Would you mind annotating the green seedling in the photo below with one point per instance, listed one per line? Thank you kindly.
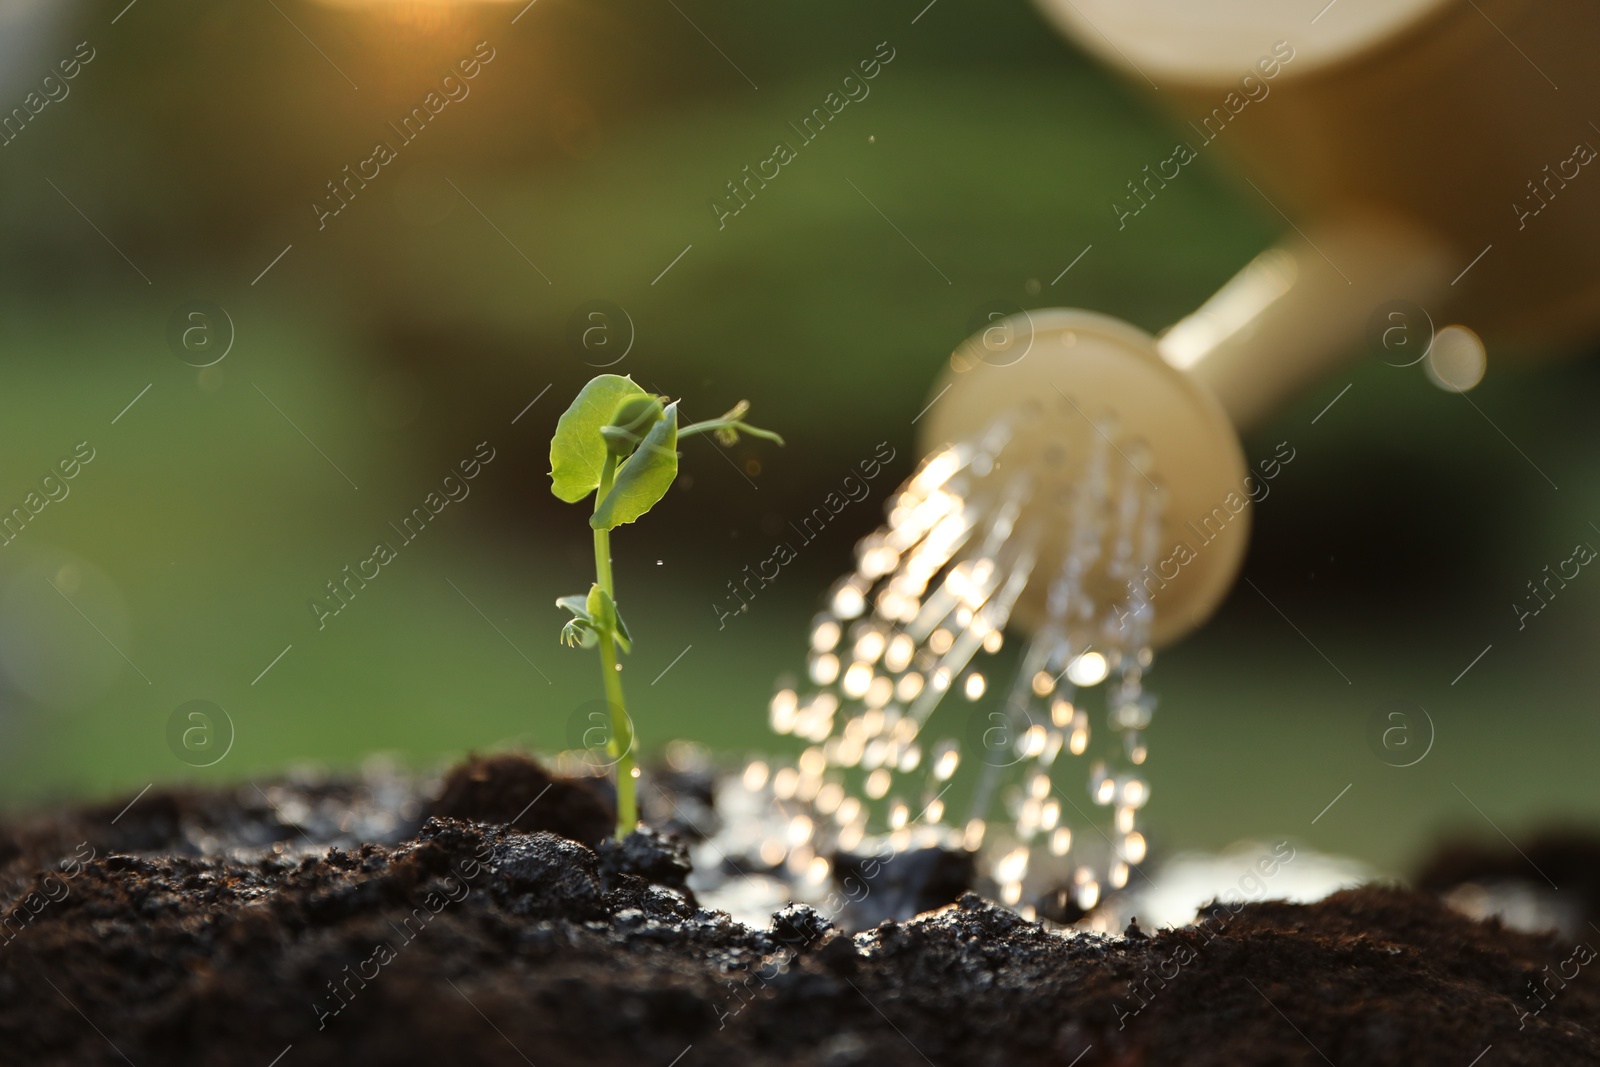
(619, 443)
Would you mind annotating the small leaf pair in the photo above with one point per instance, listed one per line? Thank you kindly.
(592, 616)
(613, 421)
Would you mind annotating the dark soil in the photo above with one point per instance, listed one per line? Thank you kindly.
(222, 929)
(1556, 872)
(513, 791)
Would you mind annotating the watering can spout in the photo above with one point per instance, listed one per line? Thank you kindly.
(1297, 311)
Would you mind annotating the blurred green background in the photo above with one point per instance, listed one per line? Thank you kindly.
(379, 351)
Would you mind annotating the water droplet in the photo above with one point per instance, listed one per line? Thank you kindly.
(755, 775)
(880, 692)
(848, 603)
(1088, 669)
(1012, 866)
(784, 711)
(1028, 818)
(825, 636)
(869, 646)
(812, 761)
(825, 668)
(799, 861)
(900, 651)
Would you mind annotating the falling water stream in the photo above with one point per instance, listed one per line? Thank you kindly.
(920, 732)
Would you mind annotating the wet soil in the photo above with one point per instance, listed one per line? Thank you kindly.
(292, 924)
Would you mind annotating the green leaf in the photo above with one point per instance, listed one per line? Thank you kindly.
(624, 638)
(603, 610)
(644, 477)
(578, 451)
(578, 605)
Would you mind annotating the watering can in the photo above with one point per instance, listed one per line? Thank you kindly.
(1432, 162)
